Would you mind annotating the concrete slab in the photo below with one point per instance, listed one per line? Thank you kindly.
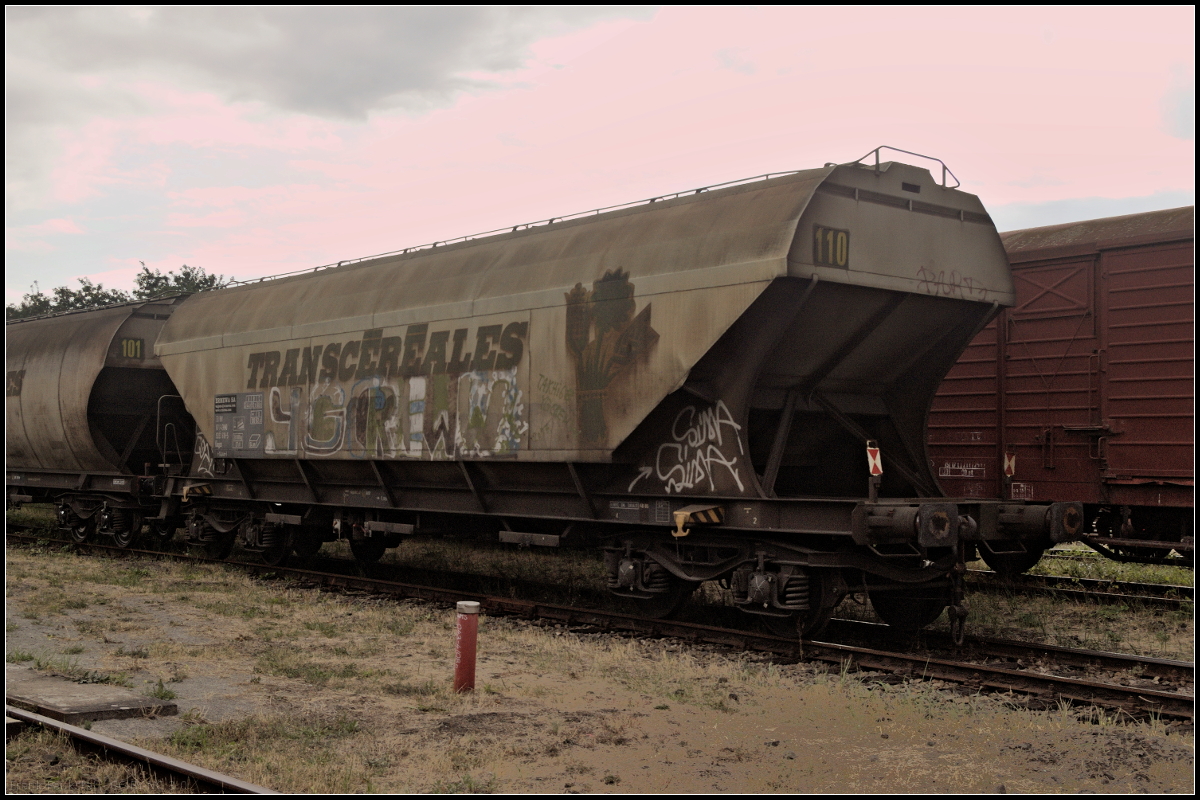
(12, 727)
(73, 703)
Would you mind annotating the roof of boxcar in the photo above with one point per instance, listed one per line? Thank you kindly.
(1172, 223)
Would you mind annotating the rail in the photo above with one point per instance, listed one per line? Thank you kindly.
(205, 778)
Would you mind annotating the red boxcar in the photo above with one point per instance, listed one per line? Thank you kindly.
(1085, 386)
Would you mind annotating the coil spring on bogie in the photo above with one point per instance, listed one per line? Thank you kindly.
(121, 520)
(656, 579)
(67, 517)
(200, 531)
(795, 592)
(269, 536)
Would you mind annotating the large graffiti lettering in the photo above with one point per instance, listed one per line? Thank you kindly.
(941, 284)
(439, 416)
(701, 450)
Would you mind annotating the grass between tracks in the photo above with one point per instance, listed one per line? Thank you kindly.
(338, 693)
(577, 577)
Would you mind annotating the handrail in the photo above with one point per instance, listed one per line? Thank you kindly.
(161, 441)
(945, 170)
(522, 226)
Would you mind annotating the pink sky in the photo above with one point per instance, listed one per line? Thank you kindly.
(1046, 114)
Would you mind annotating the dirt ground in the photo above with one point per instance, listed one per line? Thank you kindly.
(311, 692)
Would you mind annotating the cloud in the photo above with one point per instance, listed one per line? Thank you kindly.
(32, 238)
(327, 61)
(1017, 216)
(735, 59)
(66, 66)
(1179, 103)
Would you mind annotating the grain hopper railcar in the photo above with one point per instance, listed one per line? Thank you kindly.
(1086, 386)
(691, 383)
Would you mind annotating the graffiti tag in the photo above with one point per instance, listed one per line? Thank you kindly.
(698, 450)
(954, 284)
(204, 457)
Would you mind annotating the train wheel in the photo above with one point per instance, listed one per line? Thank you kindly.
(159, 534)
(909, 610)
(281, 550)
(306, 544)
(661, 605)
(126, 527)
(1010, 565)
(804, 623)
(799, 625)
(368, 551)
(82, 529)
(220, 545)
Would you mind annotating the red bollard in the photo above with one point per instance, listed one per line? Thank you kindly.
(464, 646)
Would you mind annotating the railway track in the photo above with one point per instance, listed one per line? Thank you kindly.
(1022, 668)
(192, 777)
(1092, 589)
(1103, 590)
(1098, 558)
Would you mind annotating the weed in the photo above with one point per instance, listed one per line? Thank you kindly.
(73, 650)
(132, 578)
(324, 628)
(429, 688)
(161, 692)
(140, 652)
(228, 608)
(70, 669)
(288, 662)
(467, 784)
(18, 656)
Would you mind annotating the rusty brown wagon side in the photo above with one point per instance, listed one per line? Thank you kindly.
(1086, 384)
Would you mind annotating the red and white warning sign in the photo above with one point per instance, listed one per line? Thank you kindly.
(1010, 464)
(874, 460)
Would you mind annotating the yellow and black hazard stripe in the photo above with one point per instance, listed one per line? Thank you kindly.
(696, 515)
(197, 490)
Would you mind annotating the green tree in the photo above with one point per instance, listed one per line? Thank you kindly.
(148, 284)
(152, 283)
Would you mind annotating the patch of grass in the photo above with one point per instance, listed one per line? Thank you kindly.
(1090, 564)
(324, 628)
(309, 753)
(161, 692)
(289, 662)
(229, 608)
(140, 652)
(467, 784)
(18, 656)
(69, 668)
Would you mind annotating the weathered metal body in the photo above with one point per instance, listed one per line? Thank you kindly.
(1087, 382)
(83, 389)
(690, 383)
